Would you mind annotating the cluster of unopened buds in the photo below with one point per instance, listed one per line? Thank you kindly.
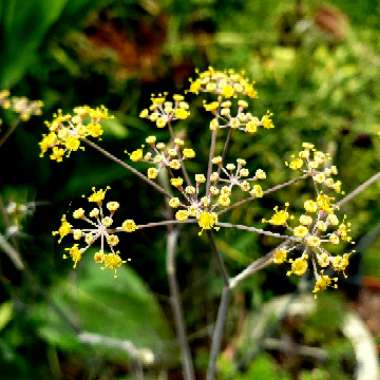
(20, 105)
(203, 198)
(15, 213)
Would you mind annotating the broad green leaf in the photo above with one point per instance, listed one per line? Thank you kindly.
(121, 308)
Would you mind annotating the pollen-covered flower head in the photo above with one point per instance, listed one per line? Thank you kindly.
(67, 130)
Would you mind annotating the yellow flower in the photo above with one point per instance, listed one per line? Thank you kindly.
(323, 259)
(224, 200)
(136, 155)
(324, 204)
(161, 122)
(98, 195)
(112, 240)
(207, 220)
(280, 256)
(332, 219)
(228, 91)
(94, 130)
(64, 229)
(340, 263)
(300, 231)
(152, 173)
(296, 164)
(217, 160)
(113, 206)
(176, 182)
(174, 202)
(78, 213)
(200, 178)
(310, 206)
(257, 191)
(280, 217)
(129, 225)
(99, 257)
(251, 126)
(107, 221)
(334, 239)
(322, 283)
(75, 254)
(57, 154)
(151, 139)
(260, 174)
(188, 153)
(299, 266)
(181, 215)
(267, 121)
(112, 261)
(181, 113)
(306, 220)
(313, 241)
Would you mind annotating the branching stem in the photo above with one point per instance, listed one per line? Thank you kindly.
(127, 167)
(175, 302)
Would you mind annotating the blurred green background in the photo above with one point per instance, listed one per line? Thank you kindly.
(316, 66)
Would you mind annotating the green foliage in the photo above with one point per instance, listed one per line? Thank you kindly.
(124, 309)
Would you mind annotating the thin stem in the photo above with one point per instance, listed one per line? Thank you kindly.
(126, 166)
(166, 223)
(175, 301)
(219, 259)
(217, 335)
(268, 191)
(210, 157)
(225, 148)
(359, 189)
(183, 167)
(257, 265)
(9, 132)
(258, 231)
(12, 253)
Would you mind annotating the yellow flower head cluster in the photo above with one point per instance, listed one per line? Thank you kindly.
(201, 203)
(95, 225)
(20, 105)
(163, 111)
(67, 130)
(317, 164)
(227, 84)
(170, 156)
(225, 117)
(314, 233)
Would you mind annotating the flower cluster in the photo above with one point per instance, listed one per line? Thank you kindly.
(316, 164)
(97, 226)
(67, 130)
(170, 156)
(202, 203)
(241, 120)
(20, 105)
(163, 111)
(318, 229)
(202, 198)
(227, 84)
